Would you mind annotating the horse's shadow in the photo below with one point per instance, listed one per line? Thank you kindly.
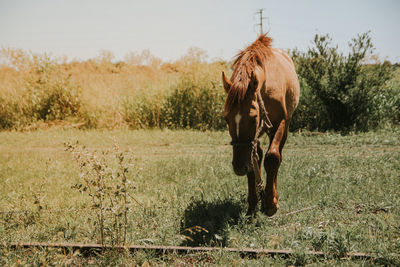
(206, 223)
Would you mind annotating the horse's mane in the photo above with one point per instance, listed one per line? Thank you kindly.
(244, 65)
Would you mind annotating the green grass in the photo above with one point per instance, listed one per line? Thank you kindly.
(184, 179)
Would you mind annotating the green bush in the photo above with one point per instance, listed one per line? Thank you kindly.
(193, 106)
(183, 106)
(54, 101)
(310, 113)
(340, 92)
(388, 102)
(8, 114)
(141, 111)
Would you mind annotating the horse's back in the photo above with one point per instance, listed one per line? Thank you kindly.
(281, 83)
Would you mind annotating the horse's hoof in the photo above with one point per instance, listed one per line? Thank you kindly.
(271, 210)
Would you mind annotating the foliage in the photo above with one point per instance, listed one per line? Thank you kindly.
(140, 92)
(338, 92)
(342, 92)
(141, 112)
(194, 101)
(46, 97)
(190, 106)
(108, 189)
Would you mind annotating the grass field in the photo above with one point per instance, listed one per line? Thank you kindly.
(184, 179)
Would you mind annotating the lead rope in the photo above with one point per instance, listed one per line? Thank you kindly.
(265, 126)
(267, 122)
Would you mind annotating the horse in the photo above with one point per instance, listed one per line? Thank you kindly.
(262, 94)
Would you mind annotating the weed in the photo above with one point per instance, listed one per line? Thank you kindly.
(108, 190)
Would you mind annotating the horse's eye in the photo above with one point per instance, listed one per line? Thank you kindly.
(253, 113)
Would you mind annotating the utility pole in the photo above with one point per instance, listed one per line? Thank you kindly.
(259, 12)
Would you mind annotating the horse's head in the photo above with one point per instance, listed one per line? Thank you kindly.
(242, 114)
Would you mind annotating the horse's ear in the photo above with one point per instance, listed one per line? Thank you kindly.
(227, 83)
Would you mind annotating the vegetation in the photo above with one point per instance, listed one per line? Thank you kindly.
(154, 185)
(344, 93)
(187, 194)
(140, 92)
(341, 93)
(108, 190)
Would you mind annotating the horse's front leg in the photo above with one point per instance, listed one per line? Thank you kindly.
(272, 162)
(252, 185)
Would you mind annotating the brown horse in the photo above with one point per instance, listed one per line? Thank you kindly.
(262, 94)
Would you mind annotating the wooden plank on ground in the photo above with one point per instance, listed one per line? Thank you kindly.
(92, 248)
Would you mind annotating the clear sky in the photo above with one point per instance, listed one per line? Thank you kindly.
(80, 29)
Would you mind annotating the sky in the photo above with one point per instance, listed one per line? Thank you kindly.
(82, 29)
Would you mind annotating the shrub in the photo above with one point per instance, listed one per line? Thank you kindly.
(194, 99)
(340, 92)
(141, 111)
(54, 101)
(43, 95)
(7, 113)
(194, 106)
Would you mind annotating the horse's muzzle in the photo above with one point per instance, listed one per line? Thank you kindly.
(241, 170)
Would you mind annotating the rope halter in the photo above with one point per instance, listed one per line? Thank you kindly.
(265, 126)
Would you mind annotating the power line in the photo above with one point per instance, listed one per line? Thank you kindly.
(260, 13)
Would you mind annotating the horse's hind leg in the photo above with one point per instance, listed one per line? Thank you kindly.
(272, 162)
(252, 184)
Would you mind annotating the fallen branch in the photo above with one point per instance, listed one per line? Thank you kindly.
(300, 210)
(90, 249)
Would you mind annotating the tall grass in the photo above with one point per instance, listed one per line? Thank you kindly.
(139, 92)
(338, 92)
(34, 90)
